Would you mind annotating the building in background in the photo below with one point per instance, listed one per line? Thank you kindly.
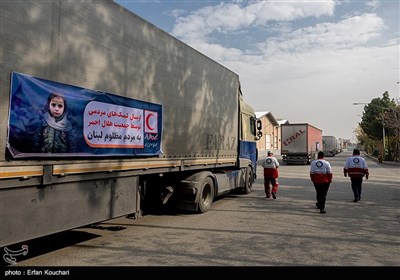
(270, 140)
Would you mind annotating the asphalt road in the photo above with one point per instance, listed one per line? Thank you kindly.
(248, 230)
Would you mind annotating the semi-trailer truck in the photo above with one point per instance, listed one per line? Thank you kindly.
(147, 120)
(300, 143)
(330, 145)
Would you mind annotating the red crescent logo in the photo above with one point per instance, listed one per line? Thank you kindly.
(147, 121)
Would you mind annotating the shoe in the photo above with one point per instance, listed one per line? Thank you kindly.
(359, 198)
(274, 195)
(316, 205)
(322, 211)
(355, 200)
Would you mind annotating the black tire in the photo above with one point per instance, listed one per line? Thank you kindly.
(206, 195)
(248, 180)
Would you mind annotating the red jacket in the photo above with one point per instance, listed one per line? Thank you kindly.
(356, 166)
(321, 172)
(270, 165)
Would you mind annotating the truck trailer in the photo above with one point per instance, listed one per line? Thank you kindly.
(146, 120)
(330, 145)
(300, 143)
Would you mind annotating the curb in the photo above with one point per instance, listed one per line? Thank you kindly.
(393, 163)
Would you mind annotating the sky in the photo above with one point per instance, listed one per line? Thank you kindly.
(304, 61)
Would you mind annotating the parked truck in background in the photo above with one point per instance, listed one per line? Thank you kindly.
(330, 145)
(300, 143)
(155, 121)
(340, 145)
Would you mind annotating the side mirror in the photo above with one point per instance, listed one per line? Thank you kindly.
(259, 126)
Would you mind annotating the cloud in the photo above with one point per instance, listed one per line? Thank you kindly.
(310, 74)
(374, 5)
(176, 12)
(320, 86)
(348, 33)
(289, 10)
(230, 17)
(345, 34)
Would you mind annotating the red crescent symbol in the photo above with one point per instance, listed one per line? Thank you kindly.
(147, 121)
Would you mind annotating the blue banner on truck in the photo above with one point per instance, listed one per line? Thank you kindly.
(51, 119)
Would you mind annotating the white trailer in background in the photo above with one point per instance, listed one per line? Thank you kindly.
(340, 145)
(330, 145)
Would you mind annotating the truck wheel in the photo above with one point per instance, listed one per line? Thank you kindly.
(248, 182)
(206, 195)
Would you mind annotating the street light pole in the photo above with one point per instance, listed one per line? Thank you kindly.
(384, 138)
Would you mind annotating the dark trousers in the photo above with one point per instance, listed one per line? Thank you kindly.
(322, 191)
(270, 181)
(356, 186)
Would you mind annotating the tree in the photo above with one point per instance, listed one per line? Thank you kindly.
(391, 119)
(373, 117)
(381, 118)
(364, 142)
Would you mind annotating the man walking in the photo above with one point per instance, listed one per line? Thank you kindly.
(356, 167)
(271, 174)
(321, 176)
